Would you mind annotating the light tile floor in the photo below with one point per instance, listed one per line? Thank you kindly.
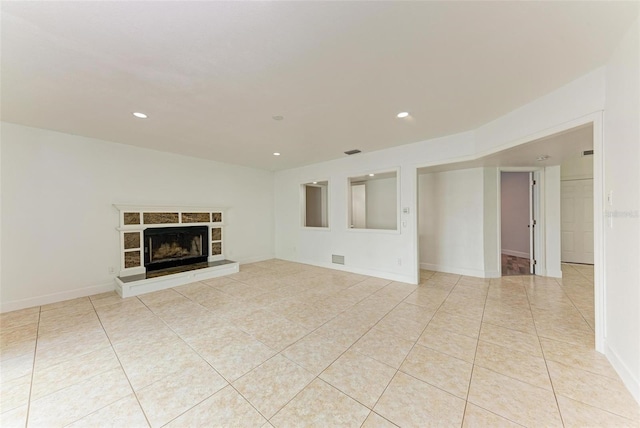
(289, 345)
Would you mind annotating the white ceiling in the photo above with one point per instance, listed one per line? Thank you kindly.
(211, 75)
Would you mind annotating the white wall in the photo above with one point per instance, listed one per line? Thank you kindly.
(59, 225)
(578, 168)
(1, 149)
(556, 110)
(552, 222)
(622, 228)
(388, 254)
(491, 223)
(382, 205)
(515, 213)
(470, 200)
(451, 221)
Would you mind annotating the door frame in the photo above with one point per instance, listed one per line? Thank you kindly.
(538, 236)
(596, 119)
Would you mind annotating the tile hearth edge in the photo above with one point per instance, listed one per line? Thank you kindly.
(136, 285)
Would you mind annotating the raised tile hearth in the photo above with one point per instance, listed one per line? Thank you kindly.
(134, 285)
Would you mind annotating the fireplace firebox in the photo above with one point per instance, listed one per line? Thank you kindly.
(167, 247)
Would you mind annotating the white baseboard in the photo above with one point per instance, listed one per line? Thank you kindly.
(360, 271)
(492, 274)
(247, 260)
(515, 253)
(15, 305)
(552, 273)
(628, 378)
(478, 273)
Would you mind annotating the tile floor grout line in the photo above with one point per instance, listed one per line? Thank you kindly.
(416, 341)
(543, 357)
(353, 343)
(475, 354)
(555, 396)
(33, 368)
(90, 377)
(135, 394)
(188, 345)
(476, 365)
(593, 373)
(574, 305)
(328, 321)
(317, 377)
(192, 407)
(284, 316)
(228, 381)
(378, 415)
(285, 404)
(195, 351)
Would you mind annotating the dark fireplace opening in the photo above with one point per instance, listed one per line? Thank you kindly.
(167, 247)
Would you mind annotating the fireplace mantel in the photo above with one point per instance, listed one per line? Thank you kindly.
(135, 219)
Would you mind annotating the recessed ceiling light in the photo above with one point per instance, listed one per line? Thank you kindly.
(371, 175)
(403, 114)
(140, 115)
(276, 154)
(277, 117)
(315, 182)
(542, 158)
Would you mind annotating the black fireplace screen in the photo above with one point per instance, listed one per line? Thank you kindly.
(166, 247)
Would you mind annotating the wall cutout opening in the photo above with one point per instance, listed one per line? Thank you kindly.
(315, 210)
(373, 201)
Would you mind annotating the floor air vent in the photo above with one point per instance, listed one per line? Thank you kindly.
(339, 260)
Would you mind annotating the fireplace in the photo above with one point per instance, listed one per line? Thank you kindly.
(167, 247)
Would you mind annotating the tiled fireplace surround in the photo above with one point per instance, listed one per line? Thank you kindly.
(134, 220)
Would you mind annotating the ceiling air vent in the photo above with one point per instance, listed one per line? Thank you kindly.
(352, 152)
(587, 153)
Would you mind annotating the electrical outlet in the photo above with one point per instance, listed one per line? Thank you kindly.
(112, 270)
(399, 262)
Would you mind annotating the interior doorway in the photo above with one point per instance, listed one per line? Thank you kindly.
(517, 223)
(544, 153)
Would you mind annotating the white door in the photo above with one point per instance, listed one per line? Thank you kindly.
(577, 221)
